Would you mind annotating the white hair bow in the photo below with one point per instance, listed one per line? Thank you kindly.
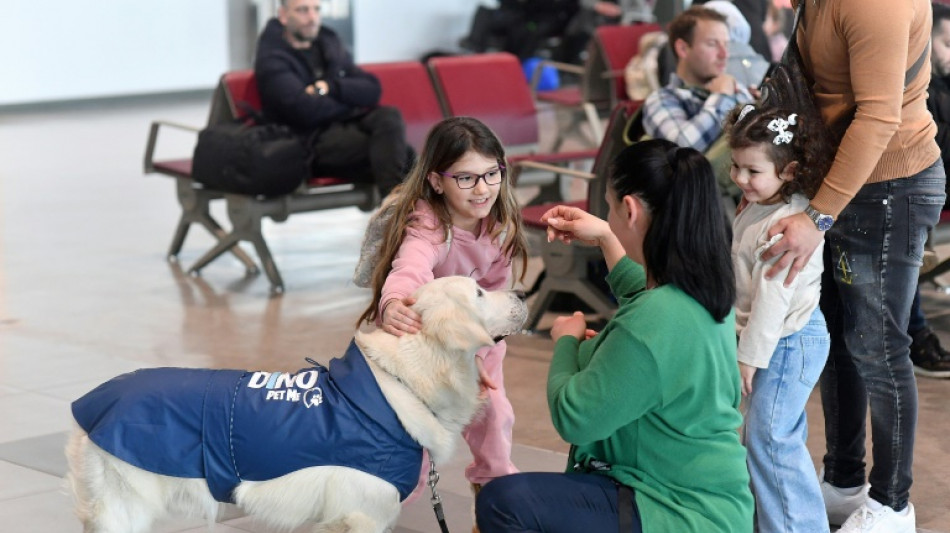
(780, 127)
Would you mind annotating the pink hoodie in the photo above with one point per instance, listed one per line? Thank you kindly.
(424, 256)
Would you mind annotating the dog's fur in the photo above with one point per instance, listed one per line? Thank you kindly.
(430, 380)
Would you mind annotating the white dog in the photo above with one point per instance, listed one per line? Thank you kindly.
(189, 438)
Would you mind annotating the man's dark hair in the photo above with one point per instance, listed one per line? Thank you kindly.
(684, 24)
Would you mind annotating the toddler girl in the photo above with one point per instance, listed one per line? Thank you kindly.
(779, 158)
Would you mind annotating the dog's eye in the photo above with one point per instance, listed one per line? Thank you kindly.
(479, 292)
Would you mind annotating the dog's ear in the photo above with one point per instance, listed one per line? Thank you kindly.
(454, 330)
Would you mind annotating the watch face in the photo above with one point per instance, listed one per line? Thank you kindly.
(824, 222)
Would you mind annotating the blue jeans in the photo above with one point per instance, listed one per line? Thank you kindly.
(787, 495)
(873, 254)
(550, 502)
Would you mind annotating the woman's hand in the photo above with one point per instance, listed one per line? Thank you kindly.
(573, 325)
(567, 224)
(796, 247)
(746, 372)
(399, 319)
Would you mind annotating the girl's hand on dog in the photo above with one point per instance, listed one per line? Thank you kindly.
(398, 319)
(573, 325)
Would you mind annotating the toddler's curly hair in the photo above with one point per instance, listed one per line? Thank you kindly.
(810, 146)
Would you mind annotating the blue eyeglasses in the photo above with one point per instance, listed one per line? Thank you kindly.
(467, 180)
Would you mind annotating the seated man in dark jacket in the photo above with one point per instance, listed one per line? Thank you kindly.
(308, 80)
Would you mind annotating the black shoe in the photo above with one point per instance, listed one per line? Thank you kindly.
(930, 359)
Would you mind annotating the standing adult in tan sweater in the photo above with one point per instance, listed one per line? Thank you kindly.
(880, 197)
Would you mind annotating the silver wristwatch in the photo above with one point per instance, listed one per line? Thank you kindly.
(822, 221)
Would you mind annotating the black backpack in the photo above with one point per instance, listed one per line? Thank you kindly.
(246, 158)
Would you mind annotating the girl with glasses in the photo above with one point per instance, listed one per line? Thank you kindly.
(455, 214)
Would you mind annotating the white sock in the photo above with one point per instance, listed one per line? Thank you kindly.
(874, 505)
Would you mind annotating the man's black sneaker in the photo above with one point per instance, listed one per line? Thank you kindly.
(930, 359)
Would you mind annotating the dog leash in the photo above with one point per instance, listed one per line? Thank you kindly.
(436, 500)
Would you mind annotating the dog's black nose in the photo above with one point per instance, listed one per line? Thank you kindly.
(520, 294)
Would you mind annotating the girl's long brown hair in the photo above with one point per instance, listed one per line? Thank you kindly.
(446, 143)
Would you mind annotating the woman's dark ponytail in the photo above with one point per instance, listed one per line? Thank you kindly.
(687, 243)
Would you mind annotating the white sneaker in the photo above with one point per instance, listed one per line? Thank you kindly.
(839, 505)
(885, 520)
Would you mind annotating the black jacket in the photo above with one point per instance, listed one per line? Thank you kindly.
(283, 74)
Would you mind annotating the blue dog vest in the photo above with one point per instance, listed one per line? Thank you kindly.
(229, 426)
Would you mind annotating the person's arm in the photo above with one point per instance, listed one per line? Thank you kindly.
(570, 223)
(619, 385)
(285, 98)
(878, 50)
(349, 84)
(664, 117)
(412, 268)
(771, 300)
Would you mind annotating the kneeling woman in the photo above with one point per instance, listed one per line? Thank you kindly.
(649, 404)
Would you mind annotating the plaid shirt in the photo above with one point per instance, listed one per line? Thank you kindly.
(689, 116)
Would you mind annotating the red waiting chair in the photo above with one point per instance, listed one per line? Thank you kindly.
(493, 89)
(601, 85)
(408, 87)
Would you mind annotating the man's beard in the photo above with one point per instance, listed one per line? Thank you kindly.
(300, 37)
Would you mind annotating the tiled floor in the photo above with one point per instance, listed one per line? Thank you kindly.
(86, 293)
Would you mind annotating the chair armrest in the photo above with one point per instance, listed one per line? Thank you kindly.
(559, 66)
(537, 165)
(611, 74)
(153, 139)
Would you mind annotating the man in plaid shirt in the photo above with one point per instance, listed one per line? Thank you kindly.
(690, 109)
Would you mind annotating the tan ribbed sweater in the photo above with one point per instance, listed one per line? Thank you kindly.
(857, 53)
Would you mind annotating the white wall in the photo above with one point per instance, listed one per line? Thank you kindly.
(388, 30)
(69, 49)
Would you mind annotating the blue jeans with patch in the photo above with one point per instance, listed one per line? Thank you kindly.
(775, 430)
(873, 254)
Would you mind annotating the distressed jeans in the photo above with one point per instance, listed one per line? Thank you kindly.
(873, 254)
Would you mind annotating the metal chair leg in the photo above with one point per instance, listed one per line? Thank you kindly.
(225, 244)
(212, 226)
(270, 267)
(196, 208)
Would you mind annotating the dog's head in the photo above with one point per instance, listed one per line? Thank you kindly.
(463, 316)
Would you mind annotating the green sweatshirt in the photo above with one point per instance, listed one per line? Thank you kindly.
(656, 396)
